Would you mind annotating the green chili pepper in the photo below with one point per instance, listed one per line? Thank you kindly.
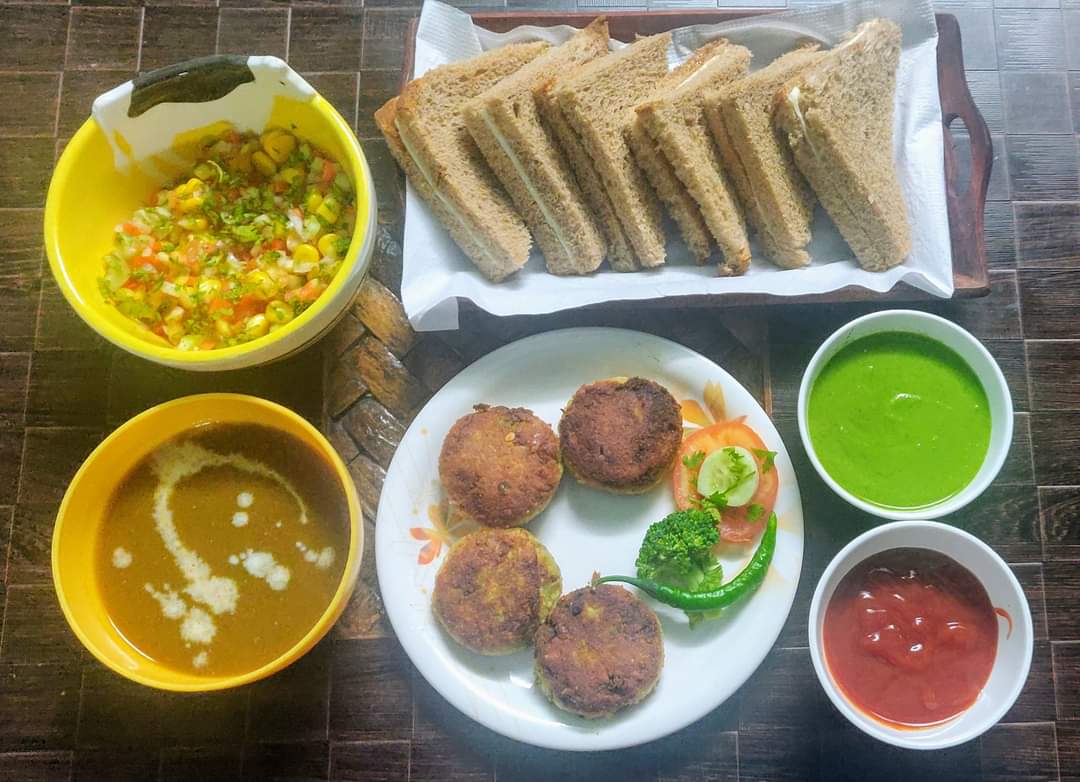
(743, 585)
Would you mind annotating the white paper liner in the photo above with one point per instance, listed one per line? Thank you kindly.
(436, 273)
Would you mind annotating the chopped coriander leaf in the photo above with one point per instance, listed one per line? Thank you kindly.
(767, 458)
(716, 500)
(694, 460)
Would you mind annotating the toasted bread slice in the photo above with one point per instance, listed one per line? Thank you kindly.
(838, 118)
(677, 124)
(597, 101)
(505, 123)
(779, 204)
(682, 207)
(426, 133)
(619, 252)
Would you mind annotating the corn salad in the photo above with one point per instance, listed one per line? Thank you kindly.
(239, 248)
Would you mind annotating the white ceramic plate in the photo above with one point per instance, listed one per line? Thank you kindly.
(586, 530)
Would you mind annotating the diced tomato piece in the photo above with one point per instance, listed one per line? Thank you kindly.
(279, 187)
(329, 171)
(735, 526)
(217, 305)
(277, 244)
(132, 284)
(208, 344)
(158, 328)
(310, 291)
(132, 230)
(248, 306)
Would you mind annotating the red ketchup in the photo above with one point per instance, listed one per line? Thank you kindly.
(910, 637)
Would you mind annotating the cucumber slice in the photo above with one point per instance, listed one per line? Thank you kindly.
(731, 471)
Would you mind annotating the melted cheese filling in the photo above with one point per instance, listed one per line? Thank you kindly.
(410, 147)
(515, 161)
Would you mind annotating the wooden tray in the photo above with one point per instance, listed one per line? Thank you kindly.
(970, 276)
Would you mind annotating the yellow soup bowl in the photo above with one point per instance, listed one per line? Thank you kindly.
(85, 506)
(135, 142)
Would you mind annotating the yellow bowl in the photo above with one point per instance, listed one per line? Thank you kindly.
(89, 195)
(82, 514)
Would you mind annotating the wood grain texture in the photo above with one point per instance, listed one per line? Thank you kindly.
(1026, 752)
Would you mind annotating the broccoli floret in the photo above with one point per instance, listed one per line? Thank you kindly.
(677, 551)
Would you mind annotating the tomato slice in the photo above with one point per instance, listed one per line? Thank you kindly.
(735, 527)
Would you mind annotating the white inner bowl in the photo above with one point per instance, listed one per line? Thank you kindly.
(1013, 659)
(976, 357)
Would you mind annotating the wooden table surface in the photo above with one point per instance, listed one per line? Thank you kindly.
(354, 708)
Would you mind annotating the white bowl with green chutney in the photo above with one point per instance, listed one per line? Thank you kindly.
(905, 415)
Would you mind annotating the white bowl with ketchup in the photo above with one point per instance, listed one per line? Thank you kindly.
(920, 634)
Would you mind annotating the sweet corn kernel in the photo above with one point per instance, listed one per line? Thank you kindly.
(314, 201)
(329, 210)
(191, 204)
(223, 328)
(278, 312)
(257, 325)
(305, 253)
(209, 288)
(190, 187)
(290, 175)
(278, 145)
(328, 245)
(263, 163)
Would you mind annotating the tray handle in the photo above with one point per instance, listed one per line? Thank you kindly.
(199, 80)
(965, 207)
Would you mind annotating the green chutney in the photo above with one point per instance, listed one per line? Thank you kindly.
(899, 420)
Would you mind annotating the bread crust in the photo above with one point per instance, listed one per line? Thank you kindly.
(841, 140)
(778, 202)
(426, 134)
(597, 101)
(676, 122)
(505, 123)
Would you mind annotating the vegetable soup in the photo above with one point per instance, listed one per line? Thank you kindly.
(222, 548)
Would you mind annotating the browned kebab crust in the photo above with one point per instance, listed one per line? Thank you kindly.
(621, 435)
(599, 651)
(499, 466)
(494, 589)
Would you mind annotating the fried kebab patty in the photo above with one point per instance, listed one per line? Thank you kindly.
(621, 434)
(499, 466)
(599, 651)
(494, 589)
